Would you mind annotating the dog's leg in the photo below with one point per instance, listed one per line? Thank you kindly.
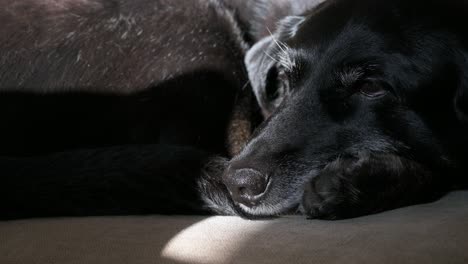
(122, 180)
(351, 187)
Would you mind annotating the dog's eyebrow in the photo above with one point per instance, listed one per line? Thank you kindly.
(348, 76)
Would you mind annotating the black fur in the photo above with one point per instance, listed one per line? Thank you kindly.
(130, 179)
(366, 110)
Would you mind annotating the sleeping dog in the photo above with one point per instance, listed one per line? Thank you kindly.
(366, 108)
(114, 106)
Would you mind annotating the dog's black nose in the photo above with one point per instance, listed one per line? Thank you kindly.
(246, 186)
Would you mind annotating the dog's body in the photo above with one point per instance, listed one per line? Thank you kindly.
(113, 106)
(365, 105)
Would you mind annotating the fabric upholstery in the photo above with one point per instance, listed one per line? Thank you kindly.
(429, 233)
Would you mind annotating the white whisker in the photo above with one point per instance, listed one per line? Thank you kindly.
(271, 57)
(284, 55)
(246, 85)
(283, 47)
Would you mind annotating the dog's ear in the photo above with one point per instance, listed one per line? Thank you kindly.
(258, 65)
(273, 21)
(267, 14)
(267, 76)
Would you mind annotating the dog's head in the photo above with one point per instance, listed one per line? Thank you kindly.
(347, 78)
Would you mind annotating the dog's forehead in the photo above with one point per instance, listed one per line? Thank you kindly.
(346, 52)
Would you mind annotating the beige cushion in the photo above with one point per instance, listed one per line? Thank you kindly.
(430, 233)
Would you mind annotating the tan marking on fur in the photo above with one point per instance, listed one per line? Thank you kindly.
(240, 128)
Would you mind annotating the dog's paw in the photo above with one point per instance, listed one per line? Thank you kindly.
(333, 194)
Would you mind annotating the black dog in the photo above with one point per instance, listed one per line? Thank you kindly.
(366, 104)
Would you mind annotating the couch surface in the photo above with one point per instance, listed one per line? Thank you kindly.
(429, 233)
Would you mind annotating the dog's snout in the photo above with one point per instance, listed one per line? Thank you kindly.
(246, 185)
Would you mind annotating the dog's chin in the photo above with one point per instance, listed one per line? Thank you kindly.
(267, 210)
(273, 208)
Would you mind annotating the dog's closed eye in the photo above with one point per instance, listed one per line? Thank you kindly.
(360, 80)
(372, 90)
